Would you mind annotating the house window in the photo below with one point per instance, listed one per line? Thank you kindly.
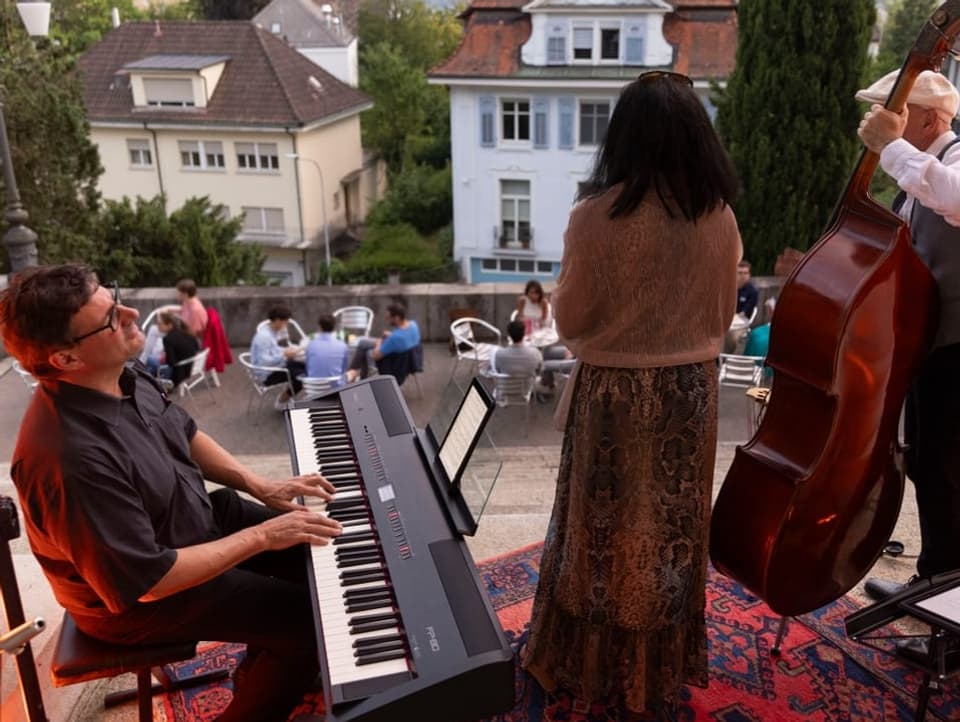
(583, 43)
(257, 156)
(544, 267)
(556, 51)
(593, 122)
(609, 43)
(515, 229)
(140, 154)
(201, 154)
(489, 264)
(516, 120)
(263, 220)
(168, 92)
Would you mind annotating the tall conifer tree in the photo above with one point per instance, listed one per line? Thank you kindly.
(789, 118)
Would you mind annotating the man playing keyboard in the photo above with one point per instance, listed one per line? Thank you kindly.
(110, 476)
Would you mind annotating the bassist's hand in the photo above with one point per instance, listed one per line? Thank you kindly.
(880, 127)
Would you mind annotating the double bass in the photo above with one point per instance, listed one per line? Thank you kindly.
(810, 501)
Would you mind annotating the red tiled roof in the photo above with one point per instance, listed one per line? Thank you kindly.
(705, 39)
(703, 33)
(264, 82)
(491, 43)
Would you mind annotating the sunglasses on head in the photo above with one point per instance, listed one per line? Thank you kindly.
(652, 76)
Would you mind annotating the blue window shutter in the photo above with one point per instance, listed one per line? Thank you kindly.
(557, 32)
(488, 121)
(541, 115)
(635, 46)
(566, 107)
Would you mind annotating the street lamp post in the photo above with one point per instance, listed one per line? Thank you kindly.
(323, 208)
(21, 241)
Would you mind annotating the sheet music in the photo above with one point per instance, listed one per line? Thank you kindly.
(463, 430)
(945, 604)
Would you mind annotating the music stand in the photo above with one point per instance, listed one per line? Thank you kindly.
(935, 601)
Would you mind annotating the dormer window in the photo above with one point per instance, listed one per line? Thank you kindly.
(175, 81)
(595, 43)
(168, 92)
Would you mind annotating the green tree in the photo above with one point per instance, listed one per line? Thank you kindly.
(399, 117)
(78, 24)
(55, 163)
(905, 18)
(400, 40)
(149, 248)
(789, 118)
(423, 35)
(419, 195)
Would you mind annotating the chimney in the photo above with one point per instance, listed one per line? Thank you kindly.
(115, 17)
(157, 32)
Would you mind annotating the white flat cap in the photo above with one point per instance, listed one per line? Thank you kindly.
(931, 90)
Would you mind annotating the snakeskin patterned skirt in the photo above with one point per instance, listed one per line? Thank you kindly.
(619, 609)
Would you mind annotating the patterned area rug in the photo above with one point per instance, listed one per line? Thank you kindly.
(821, 676)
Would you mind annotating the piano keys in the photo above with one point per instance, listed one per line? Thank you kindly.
(404, 627)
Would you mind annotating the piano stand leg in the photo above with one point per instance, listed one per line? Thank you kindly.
(781, 631)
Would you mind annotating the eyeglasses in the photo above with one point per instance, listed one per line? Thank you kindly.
(113, 320)
(653, 75)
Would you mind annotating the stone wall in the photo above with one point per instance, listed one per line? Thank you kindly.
(430, 304)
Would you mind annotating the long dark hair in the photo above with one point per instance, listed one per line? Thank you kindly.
(661, 136)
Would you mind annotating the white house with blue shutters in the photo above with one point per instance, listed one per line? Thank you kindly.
(532, 87)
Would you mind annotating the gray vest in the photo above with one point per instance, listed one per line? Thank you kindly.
(938, 245)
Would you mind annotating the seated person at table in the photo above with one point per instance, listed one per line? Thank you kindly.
(178, 345)
(327, 356)
(270, 347)
(533, 308)
(518, 359)
(402, 335)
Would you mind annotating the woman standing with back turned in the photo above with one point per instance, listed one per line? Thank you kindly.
(645, 294)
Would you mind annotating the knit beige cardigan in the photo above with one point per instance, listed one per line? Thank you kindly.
(645, 289)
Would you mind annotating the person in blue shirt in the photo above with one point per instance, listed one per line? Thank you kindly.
(402, 335)
(327, 356)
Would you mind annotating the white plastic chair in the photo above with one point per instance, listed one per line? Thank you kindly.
(466, 333)
(151, 318)
(299, 336)
(198, 375)
(314, 386)
(357, 320)
(29, 380)
(510, 390)
(258, 387)
(745, 372)
(741, 371)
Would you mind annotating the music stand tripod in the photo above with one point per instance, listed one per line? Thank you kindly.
(935, 601)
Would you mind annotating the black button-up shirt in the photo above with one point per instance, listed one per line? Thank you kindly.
(108, 491)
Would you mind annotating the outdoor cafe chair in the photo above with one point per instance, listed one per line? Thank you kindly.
(513, 390)
(298, 338)
(467, 335)
(198, 374)
(257, 386)
(314, 386)
(354, 321)
(745, 372)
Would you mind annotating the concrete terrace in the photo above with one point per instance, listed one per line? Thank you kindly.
(516, 515)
